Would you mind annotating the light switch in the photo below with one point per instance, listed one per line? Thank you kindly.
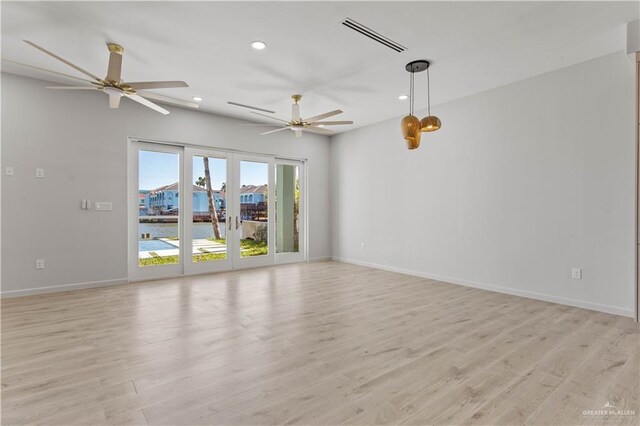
(40, 173)
(103, 205)
(9, 171)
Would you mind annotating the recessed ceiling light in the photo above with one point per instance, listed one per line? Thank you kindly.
(403, 97)
(258, 45)
(197, 98)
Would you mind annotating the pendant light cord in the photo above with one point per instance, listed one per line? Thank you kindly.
(428, 94)
(411, 92)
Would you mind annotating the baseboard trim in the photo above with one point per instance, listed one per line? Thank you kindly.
(616, 310)
(64, 287)
(320, 259)
(474, 284)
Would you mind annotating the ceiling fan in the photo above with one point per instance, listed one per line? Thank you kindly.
(298, 125)
(113, 85)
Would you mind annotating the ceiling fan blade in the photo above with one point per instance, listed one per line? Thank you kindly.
(273, 131)
(114, 100)
(147, 103)
(321, 116)
(46, 70)
(329, 123)
(270, 117)
(144, 85)
(73, 87)
(295, 112)
(317, 130)
(114, 70)
(258, 125)
(168, 99)
(251, 107)
(85, 72)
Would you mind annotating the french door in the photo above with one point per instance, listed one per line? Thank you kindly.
(207, 212)
(155, 211)
(198, 210)
(253, 211)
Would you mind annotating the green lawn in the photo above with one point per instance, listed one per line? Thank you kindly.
(249, 248)
(154, 261)
(253, 248)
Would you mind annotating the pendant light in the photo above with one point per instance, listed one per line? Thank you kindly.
(410, 124)
(430, 123)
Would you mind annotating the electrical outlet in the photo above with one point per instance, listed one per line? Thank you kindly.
(363, 246)
(39, 263)
(576, 273)
(40, 173)
(9, 171)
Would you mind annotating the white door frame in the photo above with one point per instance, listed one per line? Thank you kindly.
(191, 267)
(136, 272)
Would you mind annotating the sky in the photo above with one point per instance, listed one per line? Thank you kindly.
(161, 168)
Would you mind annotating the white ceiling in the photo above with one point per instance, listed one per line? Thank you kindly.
(474, 46)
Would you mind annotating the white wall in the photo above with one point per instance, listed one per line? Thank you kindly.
(521, 184)
(82, 145)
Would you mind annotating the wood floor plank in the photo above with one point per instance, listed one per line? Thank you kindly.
(316, 343)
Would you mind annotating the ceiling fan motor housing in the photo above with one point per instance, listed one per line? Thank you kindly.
(115, 48)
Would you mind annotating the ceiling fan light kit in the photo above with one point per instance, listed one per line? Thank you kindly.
(410, 125)
(114, 87)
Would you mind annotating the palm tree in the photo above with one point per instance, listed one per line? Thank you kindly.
(201, 182)
(212, 208)
(224, 187)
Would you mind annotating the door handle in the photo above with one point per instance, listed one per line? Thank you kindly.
(237, 223)
(230, 222)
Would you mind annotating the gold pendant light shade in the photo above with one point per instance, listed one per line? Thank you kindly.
(430, 123)
(410, 126)
(413, 142)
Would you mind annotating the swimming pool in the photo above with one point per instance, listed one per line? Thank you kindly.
(152, 245)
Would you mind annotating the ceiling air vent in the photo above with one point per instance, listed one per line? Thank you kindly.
(367, 32)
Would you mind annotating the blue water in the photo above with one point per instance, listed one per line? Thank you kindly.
(162, 230)
(150, 245)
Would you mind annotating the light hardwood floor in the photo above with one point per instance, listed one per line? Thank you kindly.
(318, 343)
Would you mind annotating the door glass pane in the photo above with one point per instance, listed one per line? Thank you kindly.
(254, 235)
(209, 209)
(287, 209)
(158, 208)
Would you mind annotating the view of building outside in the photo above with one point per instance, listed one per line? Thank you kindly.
(159, 212)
